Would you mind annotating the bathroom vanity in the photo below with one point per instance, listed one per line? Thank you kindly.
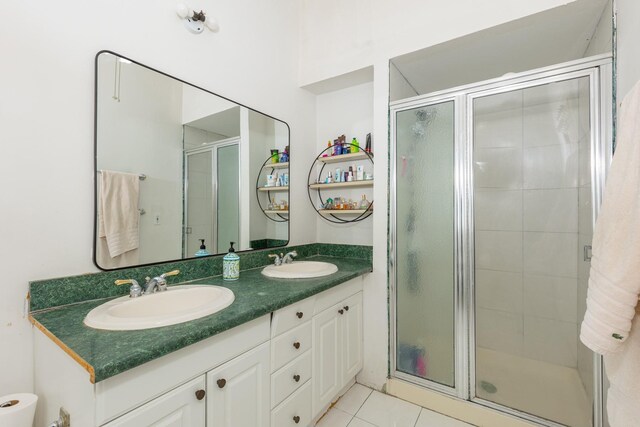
(260, 366)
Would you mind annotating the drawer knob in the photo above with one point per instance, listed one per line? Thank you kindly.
(221, 382)
(299, 314)
(200, 394)
(296, 377)
(296, 345)
(296, 419)
(346, 308)
(341, 311)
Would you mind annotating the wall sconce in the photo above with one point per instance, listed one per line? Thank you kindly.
(196, 21)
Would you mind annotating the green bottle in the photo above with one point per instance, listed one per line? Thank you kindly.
(355, 145)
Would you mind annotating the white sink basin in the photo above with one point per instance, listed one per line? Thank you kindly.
(300, 270)
(175, 305)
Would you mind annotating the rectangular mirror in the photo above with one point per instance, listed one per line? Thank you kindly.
(176, 164)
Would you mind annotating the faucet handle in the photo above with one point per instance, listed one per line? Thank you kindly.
(134, 291)
(171, 273)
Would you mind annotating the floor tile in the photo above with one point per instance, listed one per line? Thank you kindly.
(357, 422)
(335, 418)
(429, 418)
(386, 411)
(353, 399)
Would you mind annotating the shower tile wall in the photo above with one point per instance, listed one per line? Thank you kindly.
(526, 173)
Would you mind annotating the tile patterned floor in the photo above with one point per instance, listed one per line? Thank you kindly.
(363, 407)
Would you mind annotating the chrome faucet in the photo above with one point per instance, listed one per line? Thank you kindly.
(157, 284)
(134, 291)
(288, 258)
(278, 259)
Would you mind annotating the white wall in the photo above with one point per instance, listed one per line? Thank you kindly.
(349, 112)
(628, 23)
(339, 37)
(141, 133)
(46, 122)
(602, 38)
(198, 104)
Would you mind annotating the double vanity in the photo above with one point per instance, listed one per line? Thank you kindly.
(276, 352)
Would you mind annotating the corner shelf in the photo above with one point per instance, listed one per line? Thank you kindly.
(337, 216)
(277, 211)
(343, 211)
(276, 215)
(281, 188)
(283, 165)
(361, 155)
(362, 183)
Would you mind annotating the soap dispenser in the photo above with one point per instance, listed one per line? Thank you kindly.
(203, 249)
(231, 265)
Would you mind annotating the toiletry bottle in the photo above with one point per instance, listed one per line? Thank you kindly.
(203, 249)
(360, 173)
(355, 145)
(231, 265)
(364, 203)
(328, 152)
(367, 146)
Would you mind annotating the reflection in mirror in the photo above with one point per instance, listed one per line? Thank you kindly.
(200, 156)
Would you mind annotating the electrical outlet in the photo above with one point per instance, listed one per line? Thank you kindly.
(65, 418)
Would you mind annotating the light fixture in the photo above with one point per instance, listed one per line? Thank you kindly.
(196, 21)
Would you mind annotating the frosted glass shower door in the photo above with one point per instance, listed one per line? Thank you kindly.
(533, 219)
(425, 243)
(198, 202)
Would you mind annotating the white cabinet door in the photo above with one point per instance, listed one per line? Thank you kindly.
(352, 337)
(327, 357)
(181, 407)
(238, 391)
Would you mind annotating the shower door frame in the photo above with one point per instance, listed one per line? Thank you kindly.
(599, 71)
(213, 148)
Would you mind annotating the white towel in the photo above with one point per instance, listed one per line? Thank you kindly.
(118, 215)
(614, 282)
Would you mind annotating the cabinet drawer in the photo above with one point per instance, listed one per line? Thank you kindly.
(289, 345)
(291, 316)
(290, 377)
(294, 411)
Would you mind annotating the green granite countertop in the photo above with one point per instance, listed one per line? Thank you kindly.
(108, 353)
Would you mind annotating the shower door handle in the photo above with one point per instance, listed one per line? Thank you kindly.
(587, 253)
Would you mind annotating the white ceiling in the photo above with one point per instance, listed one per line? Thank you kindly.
(551, 37)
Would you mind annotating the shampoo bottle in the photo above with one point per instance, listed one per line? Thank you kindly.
(231, 265)
(203, 249)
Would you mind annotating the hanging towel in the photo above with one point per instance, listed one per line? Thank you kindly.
(118, 215)
(611, 325)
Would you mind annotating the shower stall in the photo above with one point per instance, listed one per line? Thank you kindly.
(495, 188)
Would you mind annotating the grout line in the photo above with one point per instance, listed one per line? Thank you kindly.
(365, 400)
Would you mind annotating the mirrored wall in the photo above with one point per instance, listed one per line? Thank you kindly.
(176, 169)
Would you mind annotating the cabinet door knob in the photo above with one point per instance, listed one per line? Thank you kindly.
(221, 382)
(296, 345)
(200, 394)
(296, 377)
(346, 307)
(299, 314)
(296, 419)
(341, 311)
